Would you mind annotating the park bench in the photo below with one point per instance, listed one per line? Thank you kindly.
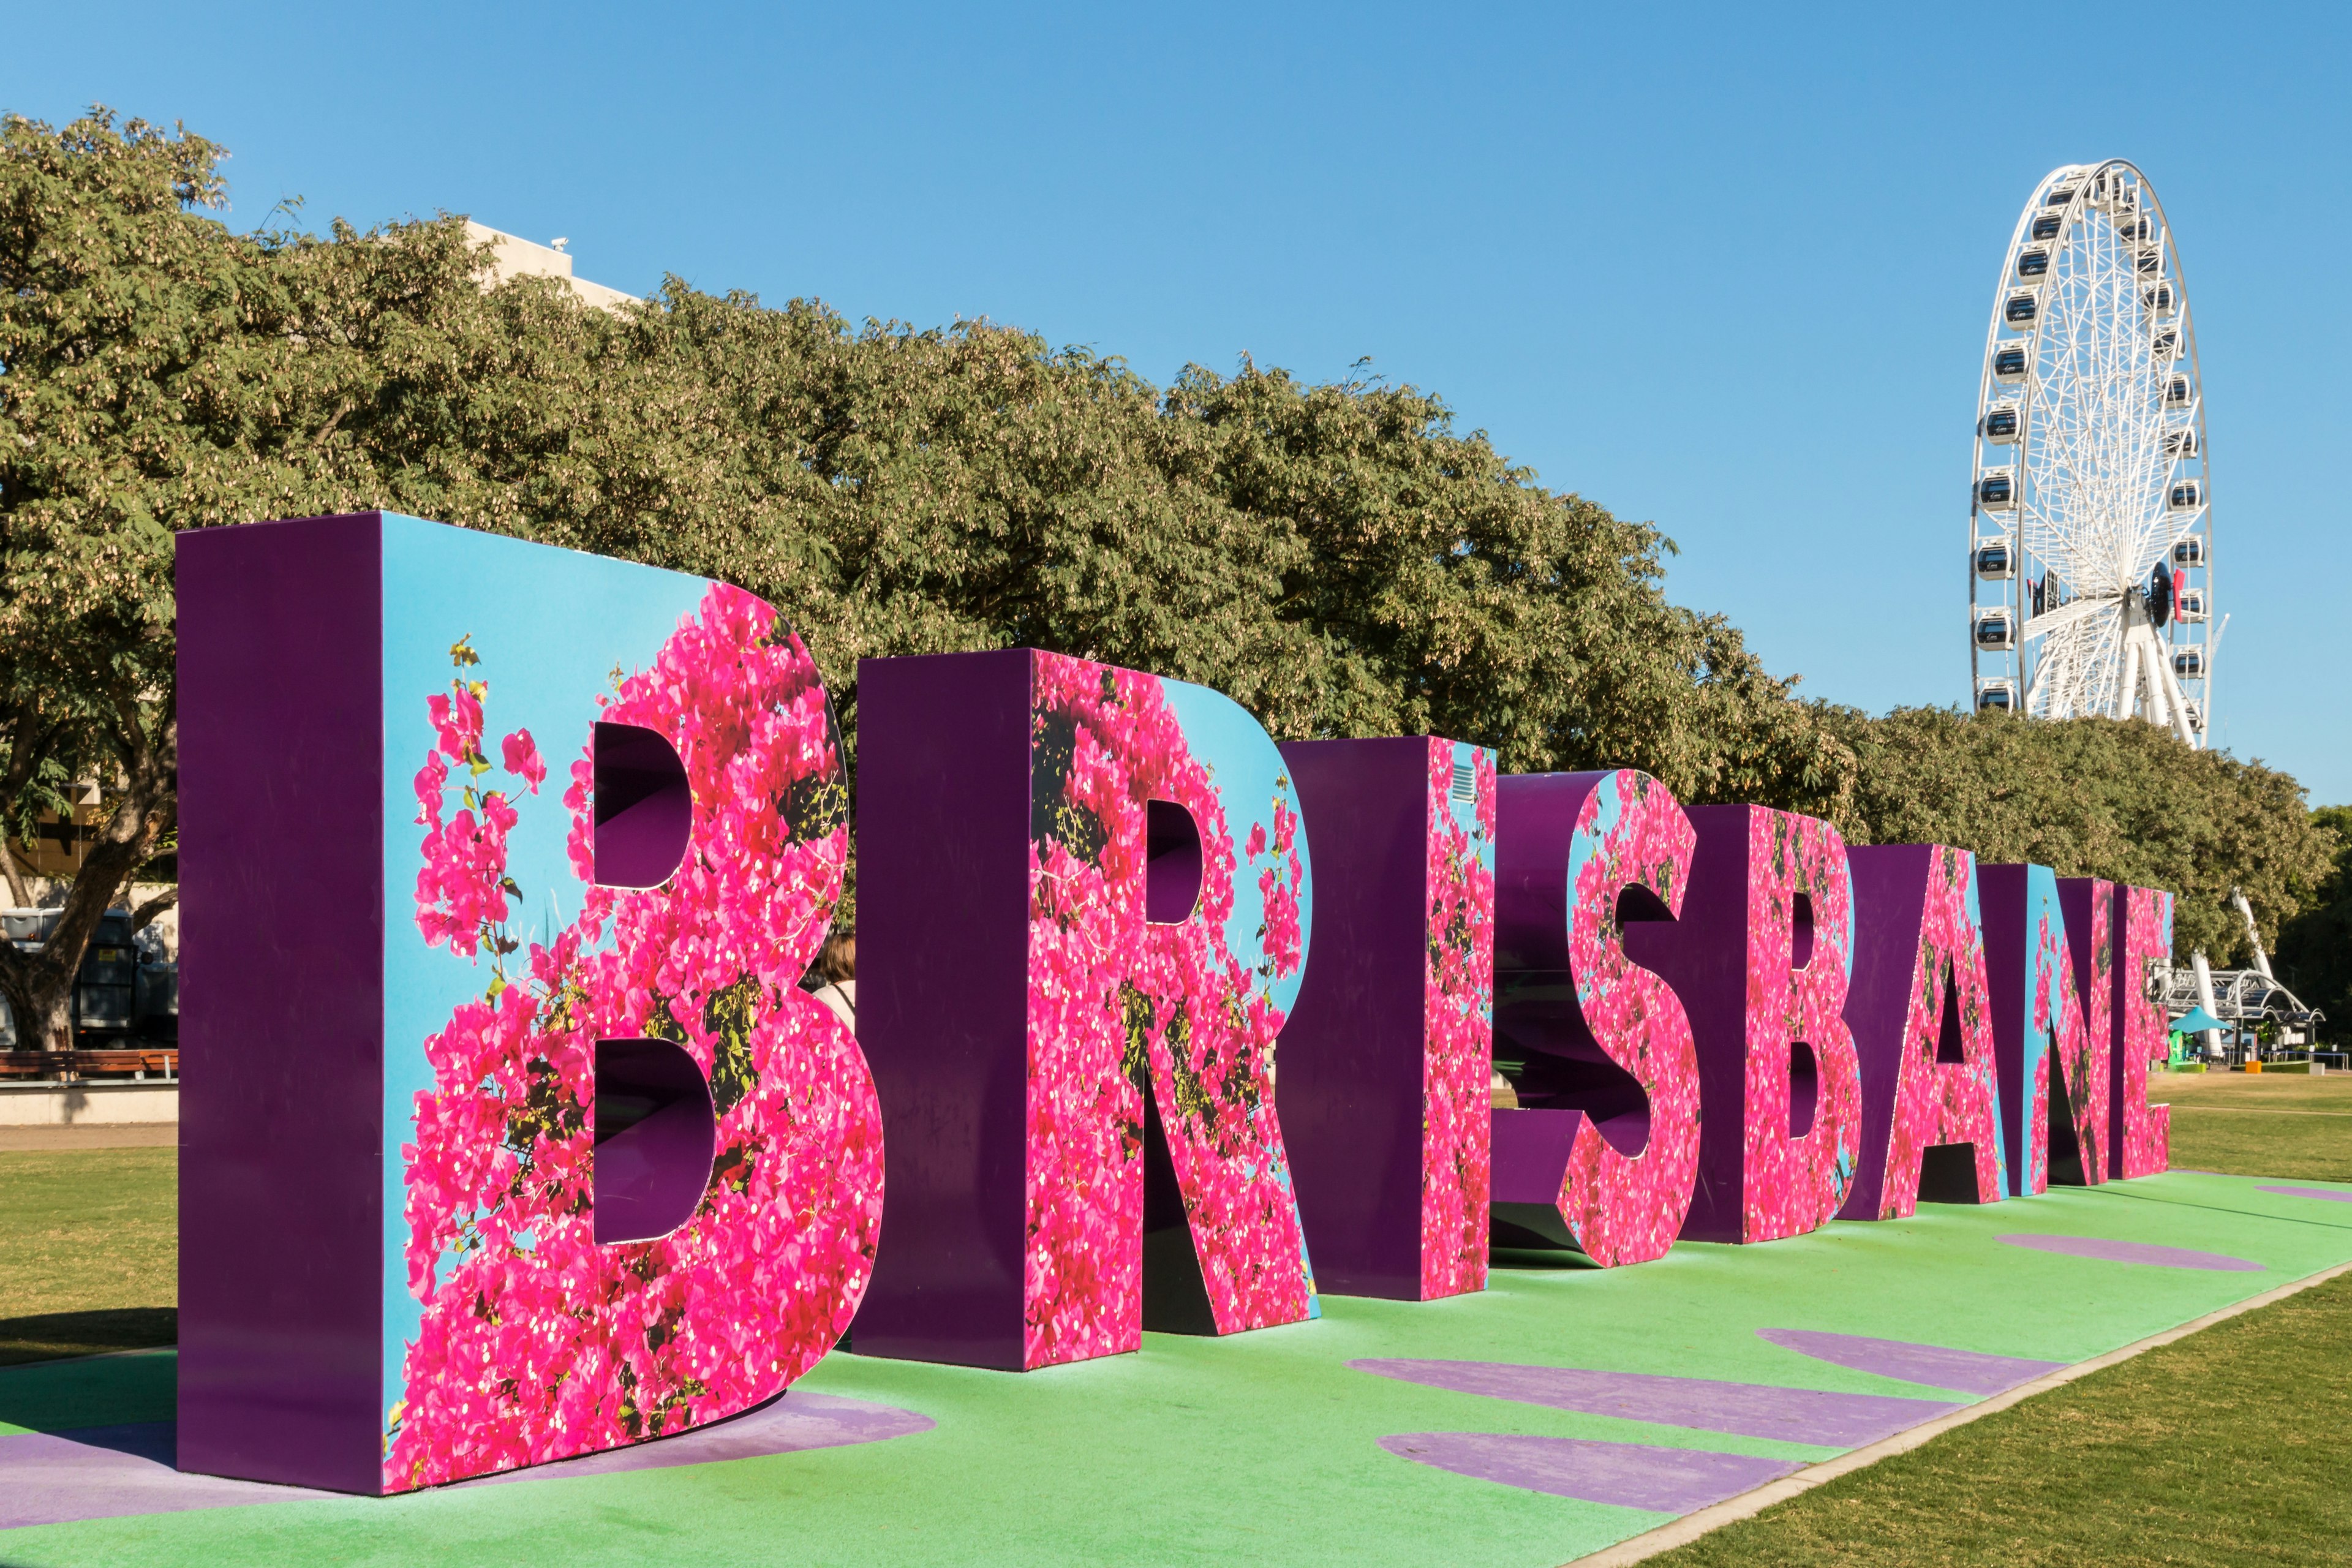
(66, 1066)
(134, 1062)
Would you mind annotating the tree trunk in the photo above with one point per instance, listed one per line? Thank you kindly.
(39, 985)
(39, 989)
(52, 1010)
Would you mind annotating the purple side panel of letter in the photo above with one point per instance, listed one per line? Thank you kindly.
(1351, 1052)
(943, 837)
(1704, 956)
(281, 742)
(1888, 881)
(2000, 900)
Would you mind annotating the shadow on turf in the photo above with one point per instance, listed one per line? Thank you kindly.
(1540, 1259)
(51, 1336)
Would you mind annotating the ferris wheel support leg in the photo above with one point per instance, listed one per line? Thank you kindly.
(2126, 696)
(2208, 1040)
(2180, 726)
(2152, 672)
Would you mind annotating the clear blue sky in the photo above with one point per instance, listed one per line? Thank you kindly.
(1725, 268)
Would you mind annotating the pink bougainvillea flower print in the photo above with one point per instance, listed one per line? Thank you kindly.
(1457, 1022)
(1945, 1088)
(522, 755)
(1794, 1184)
(1630, 833)
(2057, 1041)
(2142, 1132)
(2085, 1050)
(1121, 1007)
(535, 1342)
(461, 890)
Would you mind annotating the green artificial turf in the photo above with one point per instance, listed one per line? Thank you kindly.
(89, 1251)
(1262, 1447)
(2224, 1448)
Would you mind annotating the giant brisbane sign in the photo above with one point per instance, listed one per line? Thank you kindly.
(508, 1133)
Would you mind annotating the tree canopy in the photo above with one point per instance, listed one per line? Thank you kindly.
(2314, 948)
(2106, 797)
(1340, 558)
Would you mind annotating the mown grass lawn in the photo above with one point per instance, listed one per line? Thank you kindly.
(2269, 1124)
(89, 1251)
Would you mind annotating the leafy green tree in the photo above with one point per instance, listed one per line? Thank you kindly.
(101, 287)
(2314, 948)
(2102, 797)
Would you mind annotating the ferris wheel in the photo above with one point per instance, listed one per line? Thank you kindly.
(2090, 516)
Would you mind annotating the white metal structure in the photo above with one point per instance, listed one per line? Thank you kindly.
(2240, 998)
(2090, 512)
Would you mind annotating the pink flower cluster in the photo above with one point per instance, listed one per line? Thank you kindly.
(2145, 1147)
(1792, 1185)
(2057, 1022)
(536, 1343)
(1945, 1102)
(461, 892)
(1631, 832)
(2086, 1056)
(1120, 1007)
(1457, 1029)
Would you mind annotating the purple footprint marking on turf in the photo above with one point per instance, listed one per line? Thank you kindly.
(1627, 1475)
(2333, 1197)
(114, 1472)
(1743, 1409)
(2133, 1252)
(1971, 1371)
